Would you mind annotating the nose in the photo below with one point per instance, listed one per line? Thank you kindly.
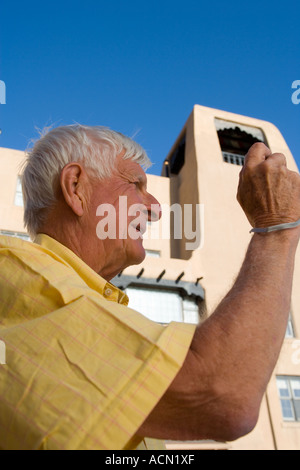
(153, 208)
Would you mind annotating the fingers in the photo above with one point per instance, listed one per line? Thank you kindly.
(258, 153)
(268, 192)
(278, 159)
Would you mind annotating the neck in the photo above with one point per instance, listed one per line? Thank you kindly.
(73, 234)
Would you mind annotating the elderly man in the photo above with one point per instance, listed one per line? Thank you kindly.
(86, 372)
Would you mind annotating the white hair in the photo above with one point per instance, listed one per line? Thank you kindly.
(96, 147)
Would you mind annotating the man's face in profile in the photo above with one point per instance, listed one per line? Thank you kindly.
(125, 196)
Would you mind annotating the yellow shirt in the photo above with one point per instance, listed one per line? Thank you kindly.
(82, 370)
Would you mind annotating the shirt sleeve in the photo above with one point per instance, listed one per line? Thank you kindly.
(86, 372)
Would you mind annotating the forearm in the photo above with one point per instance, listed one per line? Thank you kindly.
(242, 339)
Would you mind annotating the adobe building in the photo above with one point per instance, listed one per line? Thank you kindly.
(195, 252)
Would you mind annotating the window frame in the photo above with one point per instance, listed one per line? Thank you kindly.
(235, 139)
(291, 398)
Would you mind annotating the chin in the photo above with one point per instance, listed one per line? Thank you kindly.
(136, 255)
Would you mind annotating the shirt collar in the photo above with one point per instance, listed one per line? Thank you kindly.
(90, 277)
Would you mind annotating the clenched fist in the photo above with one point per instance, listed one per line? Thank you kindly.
(268, 192)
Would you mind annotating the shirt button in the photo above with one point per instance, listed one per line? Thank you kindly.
(107, 292)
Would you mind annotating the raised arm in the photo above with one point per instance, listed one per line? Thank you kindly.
(218, 392)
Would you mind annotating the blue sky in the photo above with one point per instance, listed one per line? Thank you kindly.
(139, 67)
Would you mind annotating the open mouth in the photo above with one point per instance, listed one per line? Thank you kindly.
(140, 229)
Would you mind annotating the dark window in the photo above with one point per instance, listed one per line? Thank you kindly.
(177, 158)
(235, 140)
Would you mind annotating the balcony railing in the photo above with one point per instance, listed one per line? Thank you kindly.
(233, 158)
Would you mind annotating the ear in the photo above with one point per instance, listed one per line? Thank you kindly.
(71, 180)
